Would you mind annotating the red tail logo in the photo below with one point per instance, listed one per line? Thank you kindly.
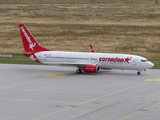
(29, 42)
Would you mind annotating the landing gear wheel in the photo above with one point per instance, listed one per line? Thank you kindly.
(79, 71)
(138, 73)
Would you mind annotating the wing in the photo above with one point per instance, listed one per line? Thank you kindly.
(79, 65)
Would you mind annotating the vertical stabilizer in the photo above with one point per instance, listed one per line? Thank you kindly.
(29, 42)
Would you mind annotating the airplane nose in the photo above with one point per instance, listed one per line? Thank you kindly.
(150, 64)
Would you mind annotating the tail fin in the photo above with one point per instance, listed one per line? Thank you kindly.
(29, 42)
(92, 49)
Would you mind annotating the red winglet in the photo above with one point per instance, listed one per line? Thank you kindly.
(92, 49)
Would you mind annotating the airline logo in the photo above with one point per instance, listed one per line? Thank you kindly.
(31, 44)
(115, 60)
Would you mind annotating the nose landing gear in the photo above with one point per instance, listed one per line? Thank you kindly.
(138, 73)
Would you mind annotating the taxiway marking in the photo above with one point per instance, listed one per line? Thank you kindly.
(139, 111)
(22, 83)
(153, 79)
(91, 100)
(47, 77)
(55, 75)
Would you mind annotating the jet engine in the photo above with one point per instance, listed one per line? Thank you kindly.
(91, 68)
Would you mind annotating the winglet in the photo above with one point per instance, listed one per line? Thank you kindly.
(92, 49)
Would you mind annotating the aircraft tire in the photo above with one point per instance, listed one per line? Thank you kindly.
(79, 71)
(138, 73)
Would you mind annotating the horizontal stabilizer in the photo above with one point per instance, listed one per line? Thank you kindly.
(25, 53)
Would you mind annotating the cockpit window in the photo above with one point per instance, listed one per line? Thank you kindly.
(144, 60)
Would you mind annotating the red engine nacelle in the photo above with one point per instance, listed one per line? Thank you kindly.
(91, 68)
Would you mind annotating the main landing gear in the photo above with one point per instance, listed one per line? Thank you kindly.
(79, 71)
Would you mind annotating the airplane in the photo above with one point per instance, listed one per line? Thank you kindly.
(89, 62)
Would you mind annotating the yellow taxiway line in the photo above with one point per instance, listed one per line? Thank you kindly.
(139, 111)
(91, 100)
(22, 83)
(46, 77)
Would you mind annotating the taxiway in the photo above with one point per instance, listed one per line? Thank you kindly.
(40, 92)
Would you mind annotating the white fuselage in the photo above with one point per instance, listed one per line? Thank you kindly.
(103, 60)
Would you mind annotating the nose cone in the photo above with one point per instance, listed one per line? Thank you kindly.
(150, 64)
